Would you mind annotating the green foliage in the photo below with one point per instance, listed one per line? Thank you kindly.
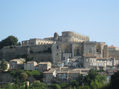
(84, 87)
(14, 86)
(55, 86)
(92, 74)
(106, 86)
(9, 41)
(19, 75)
(34, 72)
(16, 73)
(30, 73)
(3, 65)
(97, 81)
(64, 85)
(115, 81)
(9, 86)
(38, 85)
(74, 83)
(23, 76)
(92, 81)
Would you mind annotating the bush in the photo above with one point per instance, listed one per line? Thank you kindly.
(55, 86)
(23, 76)
(34, 72)
(38, 85)
(4, 65)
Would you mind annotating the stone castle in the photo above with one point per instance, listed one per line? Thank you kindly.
(72, 48)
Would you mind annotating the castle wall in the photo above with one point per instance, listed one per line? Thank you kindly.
(41, 57)
(13, 52)
(106, 51)
(40, 53)
(114, 54)
(58, 48)
(94, 49)
(68, 36)
(89, 49)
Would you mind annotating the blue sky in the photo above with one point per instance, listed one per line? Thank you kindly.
(27, 19)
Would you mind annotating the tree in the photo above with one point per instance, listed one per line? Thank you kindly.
(92, 74)
(38, 85)
(10, 40)
(23, 76)
(74, 83)
(55, 86)
(4, 65)
(84, 87)
(115, 81)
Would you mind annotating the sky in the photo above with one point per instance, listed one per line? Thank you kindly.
(25, 19)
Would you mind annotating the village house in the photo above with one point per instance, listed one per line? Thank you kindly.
(44, 66)
(70, 50)
(17, 63)
(100, 63)
(49, 76)
(30, 65)
(63, 75)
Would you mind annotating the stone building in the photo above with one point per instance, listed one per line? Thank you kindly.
(36, 41)
(57, 49)
(37, 49)
(95, 49)
(63, 75)
(36, 52)
(68, 36)
(62, 51)
(44, 66)
(100, 63)
(49, 76)
(30, 65)
(113, 52)
(13, 52)
(17, 63)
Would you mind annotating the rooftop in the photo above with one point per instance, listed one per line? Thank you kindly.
(21, 60)
(44, 63)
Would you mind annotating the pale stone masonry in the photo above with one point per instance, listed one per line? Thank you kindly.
(58, 49)
(30, 65)
(35, 41)
(63, 75)
(16, 63)
(113, 52)
(49, 76)
(100, 63)
(68, 36)
(62, 58)
(33, 65)
(44, 66)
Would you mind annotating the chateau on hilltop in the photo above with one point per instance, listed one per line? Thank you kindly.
(68, 50)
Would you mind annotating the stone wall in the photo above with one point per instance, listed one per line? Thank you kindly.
(41, 57)
(56, 53)
(114, 54)
(13, 52)
(68, 36)
(94, 49)
(39, 53)
(33, 42)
